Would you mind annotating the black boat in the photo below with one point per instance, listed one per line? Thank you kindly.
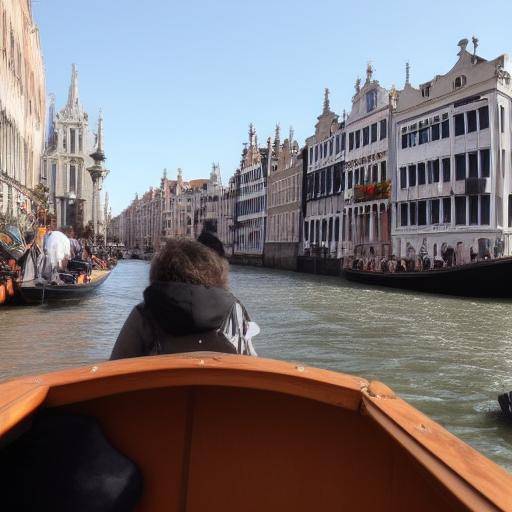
(35, 293)
(489, 278)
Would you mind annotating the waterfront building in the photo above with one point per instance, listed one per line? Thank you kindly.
(227, 204)
(22, 108)
(67, 159)
(180, 200)
(366, 180)
(452, 177)
(323, 198)
(284, 204)
(251, 197)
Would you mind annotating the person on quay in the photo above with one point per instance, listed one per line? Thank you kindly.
(187, 307)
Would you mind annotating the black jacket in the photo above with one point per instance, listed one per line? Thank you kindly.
(177, 317)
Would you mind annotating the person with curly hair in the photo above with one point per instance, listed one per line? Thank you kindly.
(187, 307)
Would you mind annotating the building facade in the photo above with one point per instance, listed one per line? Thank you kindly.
(67, 159)
(22, 108)
(452, 177)
(284, 204)
(323, 199)
(251, 198)
(367, 185)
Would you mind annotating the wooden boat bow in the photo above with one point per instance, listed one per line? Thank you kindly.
(456, 473)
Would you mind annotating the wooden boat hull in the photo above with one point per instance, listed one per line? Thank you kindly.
(227, 433)
(483, 279)
(37, 294)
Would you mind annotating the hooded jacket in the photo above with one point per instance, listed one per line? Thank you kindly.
(180, 317)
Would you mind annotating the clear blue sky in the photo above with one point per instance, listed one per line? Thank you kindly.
(179, 81)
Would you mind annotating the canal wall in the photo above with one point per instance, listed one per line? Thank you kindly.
(255, 260)
(324, 266)
(281, 255)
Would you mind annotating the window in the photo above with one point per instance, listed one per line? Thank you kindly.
(330, 230)
(473, 164)
(310, 155)
(316, 189)
(322, 183)
(349, 180)
(422, 213)
(413, 214)
(404, 140)
(375, 173)
(324, 230)
(72, 178)
(412, 139)
(447, 210)
(371, 100)
(72, 140)
(383, 129)
(485, 209)
(460, 210)
(316, 153)
(343, 141)
(351, 141)
(502, 119)
(485, 168)
(483, 117)
(330, 146)
(366, 135)
(358, 138)
(473, 210)
(421, 173)
(509, 210)
(471, 121)
(329, 180)
(425, 91)
(403, 177)
(306, 231)
(383, 171)
(423, 136)
(435, 171)
(374, 132)
(403, 214)
(434, 211)
(412, 175)
(430, 172)
(337, 229)
(460, 166)
(445, 129)
(337, 144)
(435, 132)
(459, 124)
(446, 169)
(459, 82)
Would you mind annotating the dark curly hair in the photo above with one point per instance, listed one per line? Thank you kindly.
(188, 261)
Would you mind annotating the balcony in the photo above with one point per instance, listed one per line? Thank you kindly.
(475, 186)
(372, 191)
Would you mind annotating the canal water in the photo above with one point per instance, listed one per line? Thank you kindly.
(449, 357)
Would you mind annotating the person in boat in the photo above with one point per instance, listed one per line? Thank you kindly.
(187, 307)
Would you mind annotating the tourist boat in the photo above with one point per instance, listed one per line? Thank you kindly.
(31, 292)
(489, 278)
(224, 433)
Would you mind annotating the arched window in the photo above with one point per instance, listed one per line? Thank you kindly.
(459, 82)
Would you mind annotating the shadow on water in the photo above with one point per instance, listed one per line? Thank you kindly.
(450, 357)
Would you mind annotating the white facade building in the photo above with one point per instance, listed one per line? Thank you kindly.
(324, 199)
(452, 177)
(367, 191)
(251, 208)
(66, 160)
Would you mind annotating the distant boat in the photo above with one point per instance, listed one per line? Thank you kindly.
(489, 278)
(218, 432)
(30, 292)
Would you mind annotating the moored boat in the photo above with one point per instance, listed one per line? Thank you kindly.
(218, 432)
(489, 278)
(32, 292)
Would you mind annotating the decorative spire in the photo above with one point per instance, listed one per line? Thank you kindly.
(252, 134)
(326, 101)
(474, 39)
(277, 139)
(180, 175)
(407, 73)
(358, 85)
(165, 173)
(291, 134)
(344, 115)
(73, 97)
(99, 148)
(369, 72)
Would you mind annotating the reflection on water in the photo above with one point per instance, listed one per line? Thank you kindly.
(449, 357)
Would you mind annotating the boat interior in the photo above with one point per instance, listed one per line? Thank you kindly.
(224, 433)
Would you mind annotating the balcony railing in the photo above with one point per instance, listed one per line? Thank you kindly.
(371, 191)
